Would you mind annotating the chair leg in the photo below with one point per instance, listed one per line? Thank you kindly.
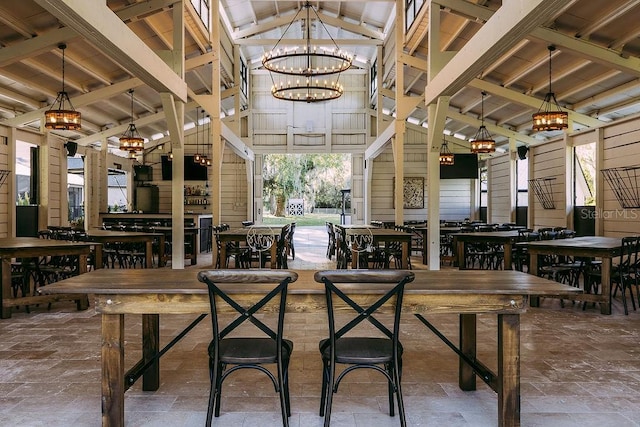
(330, 391)
(213, 377)
(397, 379)
(284, 410)
(323, 393)
(286, 389)
(218, 397)
(390, 386)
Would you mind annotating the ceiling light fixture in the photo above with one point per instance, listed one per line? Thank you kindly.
(446, 156)
(310, 73)
(550, 116)
(199, 158)
(131, 140)
(58, 117)
(482, 142)
(208, 160)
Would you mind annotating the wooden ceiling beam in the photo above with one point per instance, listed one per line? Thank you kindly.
(101, 27)
(511, 23)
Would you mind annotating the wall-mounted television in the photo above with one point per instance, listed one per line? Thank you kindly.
(142, 173)
(192, 171)
(465, 166)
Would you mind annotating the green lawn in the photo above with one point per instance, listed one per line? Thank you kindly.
(307, 219)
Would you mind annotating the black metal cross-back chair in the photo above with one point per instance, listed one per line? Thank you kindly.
(383, 354)
(248, 352)
(623, 275)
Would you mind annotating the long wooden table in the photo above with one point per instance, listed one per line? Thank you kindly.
(505, 238)
(605, 248)
(425, 240)
(190, 236)
(33, 247)
(236, 235)
(111, 236)
(165, 291)
(379, 235)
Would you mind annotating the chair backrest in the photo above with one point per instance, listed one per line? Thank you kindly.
(629, 254)
(252, 291)
(343, 252)
(332, 280)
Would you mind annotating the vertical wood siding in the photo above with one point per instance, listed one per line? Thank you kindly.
(499, 197)
(621, 149)
(549, 162)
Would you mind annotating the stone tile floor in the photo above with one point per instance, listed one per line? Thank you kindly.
(578, 368)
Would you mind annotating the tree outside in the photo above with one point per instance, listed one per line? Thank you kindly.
(315, 178)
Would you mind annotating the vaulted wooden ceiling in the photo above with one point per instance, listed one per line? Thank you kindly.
(595, 67)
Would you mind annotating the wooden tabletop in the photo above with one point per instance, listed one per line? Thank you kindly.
(376, 231)
(483, 235)
(125, 234)
(11, 245)
(165, 280)
(586, 242)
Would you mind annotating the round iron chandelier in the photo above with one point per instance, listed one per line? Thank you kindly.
(310, 73)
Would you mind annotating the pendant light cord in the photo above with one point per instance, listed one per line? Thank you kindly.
(551, 49)
(63, 47)
(482, 109)
(131, 93)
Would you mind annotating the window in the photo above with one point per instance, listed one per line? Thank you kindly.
(202, 9)
(411, 8)
(244, 78)
(584, 173)
(26, 173)
(483, 187)
(374, 77)
(75, 189)
(522, 178)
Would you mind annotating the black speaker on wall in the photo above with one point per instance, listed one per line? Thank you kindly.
(72, 148)
(522, 152)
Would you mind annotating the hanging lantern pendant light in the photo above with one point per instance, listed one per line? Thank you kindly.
(550, 116)
(482, 142)
(131, 140)
(446, 156)
(196, 156)
(207, 159)
(58, 117)
(199, 158)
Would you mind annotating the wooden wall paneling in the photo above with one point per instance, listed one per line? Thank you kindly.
(455, 199)
(549, 160)
(621, 148)
(499, 197)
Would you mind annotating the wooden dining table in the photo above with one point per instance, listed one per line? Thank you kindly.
(379, 235)
(239, 235)
(425, 240)
(605, 248)
(113, 236)
(190, 236)
(165, 291)
(504, 238)
(33, 247)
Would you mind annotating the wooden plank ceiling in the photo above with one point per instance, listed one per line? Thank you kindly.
(595, 69)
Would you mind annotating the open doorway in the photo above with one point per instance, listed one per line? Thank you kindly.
(305, 188)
